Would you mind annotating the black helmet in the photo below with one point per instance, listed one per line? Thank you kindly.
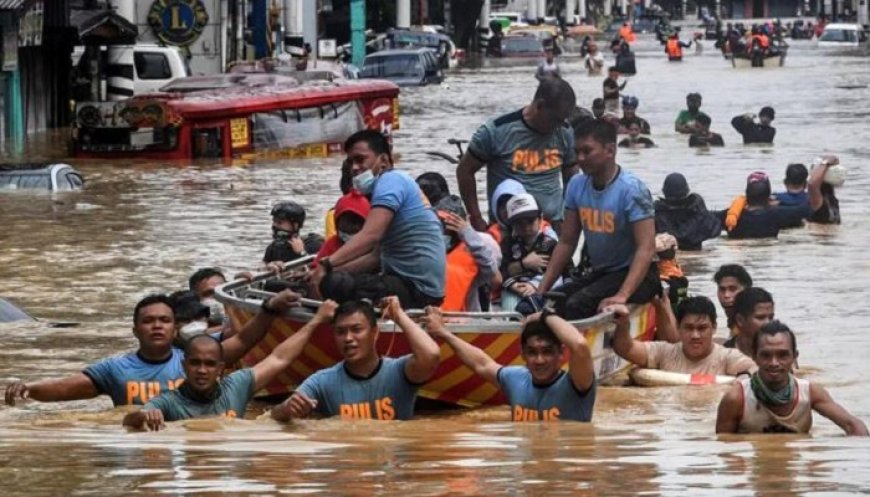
(289, 211)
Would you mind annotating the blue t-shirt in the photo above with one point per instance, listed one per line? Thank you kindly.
(558, 401)
(607, 216)
(130, 380)
(512, 150)
(386, 395)
(412, 247)
(235, 392)
(790, 199)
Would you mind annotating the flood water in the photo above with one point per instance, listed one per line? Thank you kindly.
(144, 227)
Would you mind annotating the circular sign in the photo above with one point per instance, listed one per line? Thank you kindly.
(177, 22)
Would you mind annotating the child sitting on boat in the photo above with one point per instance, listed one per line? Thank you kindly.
(525, 251)
(287, 244)
(350, 211)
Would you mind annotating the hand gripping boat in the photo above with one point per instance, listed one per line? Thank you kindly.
(497, 333)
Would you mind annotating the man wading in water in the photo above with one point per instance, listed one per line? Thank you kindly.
(773, 400)
(205, 394)
(156, 366)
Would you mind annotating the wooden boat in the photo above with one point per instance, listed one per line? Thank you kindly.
(743, 61)
(496, 333)
(237, 115)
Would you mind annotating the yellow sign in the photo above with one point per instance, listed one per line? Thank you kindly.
(239, 132)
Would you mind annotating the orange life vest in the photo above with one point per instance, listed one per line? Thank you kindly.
(494, 231)
(627, 34)
(674, 50)
(461, 272)
(763, 41)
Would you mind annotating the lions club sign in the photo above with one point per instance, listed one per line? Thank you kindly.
(177, 22)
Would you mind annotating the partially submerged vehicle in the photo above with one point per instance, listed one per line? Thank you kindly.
(439, 44)
(49, 178)
(521, 47)
(497, 333)
(841, 35)
(413, 67)
(238, 115)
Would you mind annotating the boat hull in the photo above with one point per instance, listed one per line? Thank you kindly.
(767, 62)
(453, 383)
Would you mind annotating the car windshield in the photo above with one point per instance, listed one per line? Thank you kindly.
(839, 35)
(392, 66)
(521, 45)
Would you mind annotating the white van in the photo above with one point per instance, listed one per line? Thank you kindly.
(154, 66)
(842, 36)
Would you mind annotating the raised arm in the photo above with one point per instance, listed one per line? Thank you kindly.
(666, 322)
(564, 250)
(580, 365)
(730, 410)
(468, 166)
(822, 403)
(623, 344)
(76, 387)
(285, 353)
(474, 358)
(644, 232)
(425, 354)
(254, 330)
(817, 177)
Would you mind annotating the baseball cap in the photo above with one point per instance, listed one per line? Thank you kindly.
(757, 176)
(522, 206)
(675, 187)
(354, 202)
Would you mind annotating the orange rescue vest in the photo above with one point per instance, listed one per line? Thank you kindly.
(627, 34)
(461, 272)
(674, 50)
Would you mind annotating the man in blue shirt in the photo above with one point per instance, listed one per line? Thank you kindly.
(614, 209)
(137, 377)
(532, 145)
(540, 390)
(401, 235)
(365, 385)
(203, 395)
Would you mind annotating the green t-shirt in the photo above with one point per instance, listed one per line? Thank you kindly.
(685, 117)
(235, 392)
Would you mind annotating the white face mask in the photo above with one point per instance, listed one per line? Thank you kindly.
(216, 313)
(364, 182)
(192, 329)
(344, 236)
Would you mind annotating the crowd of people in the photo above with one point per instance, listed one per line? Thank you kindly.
(410, 243)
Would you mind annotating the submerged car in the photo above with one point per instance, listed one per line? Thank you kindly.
(521, 46)
(842, 36)
(417, 67)
(41, 177)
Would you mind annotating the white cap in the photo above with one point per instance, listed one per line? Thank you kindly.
(522, 206)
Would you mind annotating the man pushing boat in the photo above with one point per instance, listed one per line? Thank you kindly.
(136, 377)
(540, 390)
(366, 385)
(696, 353)
(205, 393)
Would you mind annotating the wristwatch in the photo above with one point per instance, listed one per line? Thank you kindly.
(327, 264)
(546, 312)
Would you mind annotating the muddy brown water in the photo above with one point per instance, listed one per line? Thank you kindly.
(142, 227)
